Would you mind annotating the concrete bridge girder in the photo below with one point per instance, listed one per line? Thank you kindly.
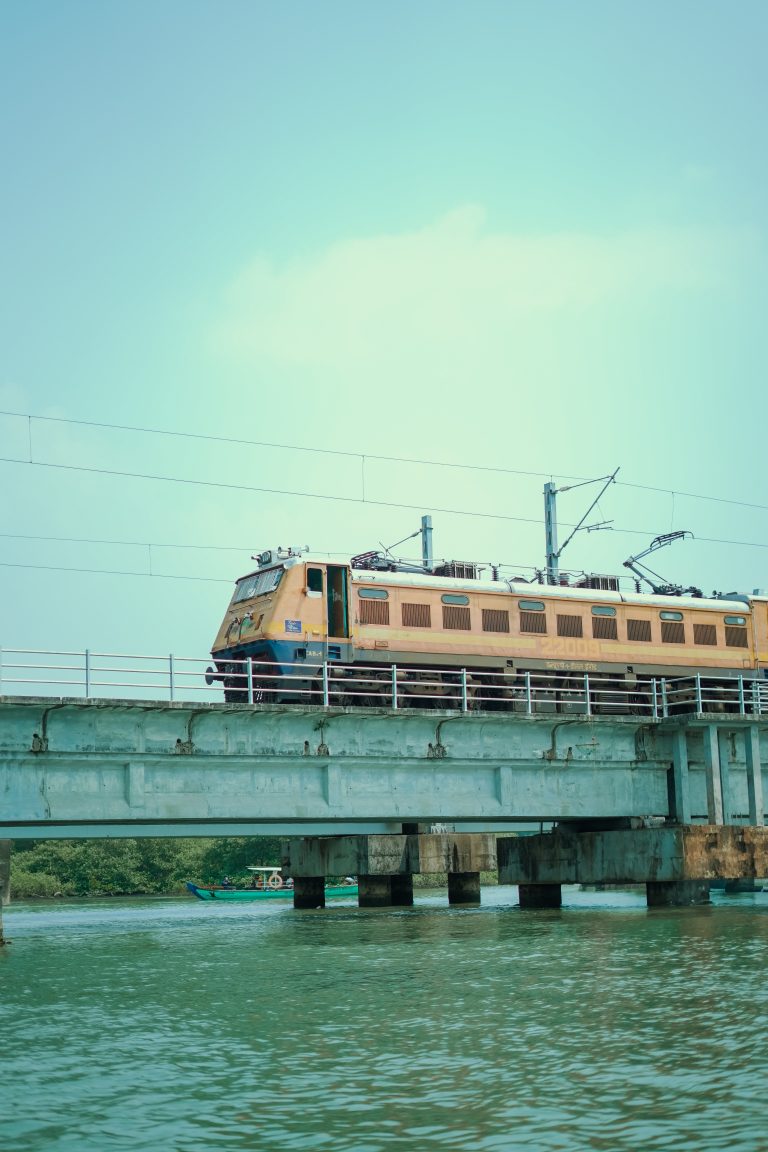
(182, 769)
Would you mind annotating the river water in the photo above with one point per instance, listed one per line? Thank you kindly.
(180, 1026)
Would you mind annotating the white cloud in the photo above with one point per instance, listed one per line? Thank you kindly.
(454, 294)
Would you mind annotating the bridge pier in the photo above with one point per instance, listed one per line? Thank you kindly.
(676, 863)
(540, 895)
(309, 892)
(676, 893)
(463, 887)
(401, 886)
(5, 881)
(374, 891)
(386, 864)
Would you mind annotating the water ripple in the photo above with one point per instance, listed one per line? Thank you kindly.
(171, 1025)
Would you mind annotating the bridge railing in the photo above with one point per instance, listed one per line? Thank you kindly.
(91, 674)
(331, 684)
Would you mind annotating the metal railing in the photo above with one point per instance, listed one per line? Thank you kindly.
(94, 675)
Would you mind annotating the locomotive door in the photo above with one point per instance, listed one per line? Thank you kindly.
(338, 602)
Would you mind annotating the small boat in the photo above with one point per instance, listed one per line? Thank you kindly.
(267, 884)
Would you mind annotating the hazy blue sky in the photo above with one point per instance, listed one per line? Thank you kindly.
(529, 236)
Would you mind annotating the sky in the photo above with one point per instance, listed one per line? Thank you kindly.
(368, 262)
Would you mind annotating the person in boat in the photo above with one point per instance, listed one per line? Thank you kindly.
(289, 882)
(227, 882)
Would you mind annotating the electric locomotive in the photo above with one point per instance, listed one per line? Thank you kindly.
(297, 613)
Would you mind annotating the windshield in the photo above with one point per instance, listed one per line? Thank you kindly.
(257, 585)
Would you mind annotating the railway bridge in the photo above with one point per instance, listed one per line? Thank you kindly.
(671, 801)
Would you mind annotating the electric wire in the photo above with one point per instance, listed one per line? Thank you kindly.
(368, 456)
(113, 572)
(228, 485)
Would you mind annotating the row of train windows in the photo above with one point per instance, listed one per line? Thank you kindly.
(374, 609)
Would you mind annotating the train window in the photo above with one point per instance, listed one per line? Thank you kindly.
(453, 598)
(373, 594)
(603, 610)
(671, 615)
(740, 620)
(456, 617)
(672, 631)
(258, 585)
(314, 579)
(531, 605)
(569, 625)
(639, 630)
(704, 634)
(736, 637)
(495, 620)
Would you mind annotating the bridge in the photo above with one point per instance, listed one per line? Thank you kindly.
(374, 778)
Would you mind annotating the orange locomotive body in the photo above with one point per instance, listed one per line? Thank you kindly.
(296, 613)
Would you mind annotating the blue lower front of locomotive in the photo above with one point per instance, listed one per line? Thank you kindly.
(295, 665)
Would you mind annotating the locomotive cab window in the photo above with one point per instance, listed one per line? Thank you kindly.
(314, 581)
(259, 584)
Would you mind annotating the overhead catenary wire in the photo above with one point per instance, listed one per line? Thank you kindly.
(113, 572)
(363, 456)
(231, 486)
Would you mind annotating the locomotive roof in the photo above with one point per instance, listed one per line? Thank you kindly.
(734, 601)
(547, 591)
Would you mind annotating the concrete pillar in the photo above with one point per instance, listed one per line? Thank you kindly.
(725, 777)
(374, 891)
(681, 794)
(309, 892)
(5, 881)
(676, 893)
(463, 887)
(402, 889)
(540, 896)
(754, 776)
(712, 766)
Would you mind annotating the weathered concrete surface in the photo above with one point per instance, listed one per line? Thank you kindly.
(540, 896)
(401, 889)
(95, 768)
(692, 852)
(5, 881)
(463, 887)
(456, 853)
(309, 892)
(5, 871)
(374, 891)
(676, 894)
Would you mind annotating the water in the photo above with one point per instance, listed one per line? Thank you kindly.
(179, 1026)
